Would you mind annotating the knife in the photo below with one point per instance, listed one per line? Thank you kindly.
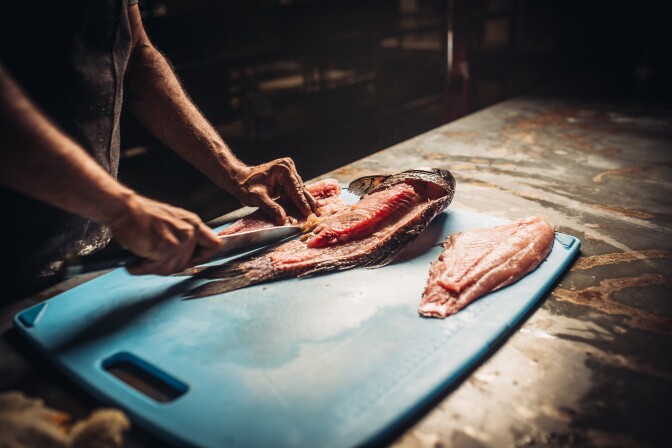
(231, 216)
(117, 258)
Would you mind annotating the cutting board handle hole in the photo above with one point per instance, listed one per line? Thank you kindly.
(144, 377)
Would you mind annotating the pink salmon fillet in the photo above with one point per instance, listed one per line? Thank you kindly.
(478, 261)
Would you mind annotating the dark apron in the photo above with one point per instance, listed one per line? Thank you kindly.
(69, 57)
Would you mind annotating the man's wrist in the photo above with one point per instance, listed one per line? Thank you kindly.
(117, 208)
(231, 172)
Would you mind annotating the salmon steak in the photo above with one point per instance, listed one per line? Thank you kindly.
(369, 233)
(478, 261)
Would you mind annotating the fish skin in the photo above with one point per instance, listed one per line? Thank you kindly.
(368, 184)
(478, 261)
(325, 188)
(295, 259)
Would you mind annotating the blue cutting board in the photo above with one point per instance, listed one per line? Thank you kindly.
(336, 360)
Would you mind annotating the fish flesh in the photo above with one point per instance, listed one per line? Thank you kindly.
(367, 234)
(478, 261)
(361, 219)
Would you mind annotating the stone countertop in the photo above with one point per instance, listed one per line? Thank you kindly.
(592, 365)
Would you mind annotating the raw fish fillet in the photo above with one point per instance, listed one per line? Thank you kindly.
(372, 240)
(361, 219)
(478, 261)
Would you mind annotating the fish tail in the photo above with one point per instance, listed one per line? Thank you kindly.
(221, 272)
(231, 276)
(217, 287)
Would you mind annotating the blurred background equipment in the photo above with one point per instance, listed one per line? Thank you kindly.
(328, 82)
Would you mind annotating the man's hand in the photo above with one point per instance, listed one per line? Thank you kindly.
(38, 160)
(169, 238)
(261, 185)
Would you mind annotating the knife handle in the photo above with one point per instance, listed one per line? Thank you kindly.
(119, 257)
(99, 261)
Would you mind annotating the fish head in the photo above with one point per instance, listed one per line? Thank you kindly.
(432, 182)
(447, 176)
(437, 179)
(364, 185)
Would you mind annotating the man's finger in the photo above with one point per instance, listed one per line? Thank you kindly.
(294, 189)
(301, 187)
(314, 206)
(205, 249)
(174, 259)
(181, 261)
(271, 208)
(207, 238)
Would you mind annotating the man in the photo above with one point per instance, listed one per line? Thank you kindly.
(64, 68)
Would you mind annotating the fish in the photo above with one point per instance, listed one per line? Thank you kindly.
(367, 234)
(478, 261)
(368, 184)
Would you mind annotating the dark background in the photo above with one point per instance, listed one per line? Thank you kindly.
(327, 82)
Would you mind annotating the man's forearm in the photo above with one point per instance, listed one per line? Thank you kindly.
(38, 160)
(157, 99)
(163, 107)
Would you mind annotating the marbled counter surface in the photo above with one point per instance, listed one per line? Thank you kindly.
(593, 365)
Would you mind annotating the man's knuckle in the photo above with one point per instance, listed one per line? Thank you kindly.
(284, 163)
(189, 233)
(172, 244)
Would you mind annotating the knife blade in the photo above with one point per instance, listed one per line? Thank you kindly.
(116, 258)
(231, 216)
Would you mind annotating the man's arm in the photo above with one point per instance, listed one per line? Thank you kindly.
(162, 106)
(32, 148)
(40, 161)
